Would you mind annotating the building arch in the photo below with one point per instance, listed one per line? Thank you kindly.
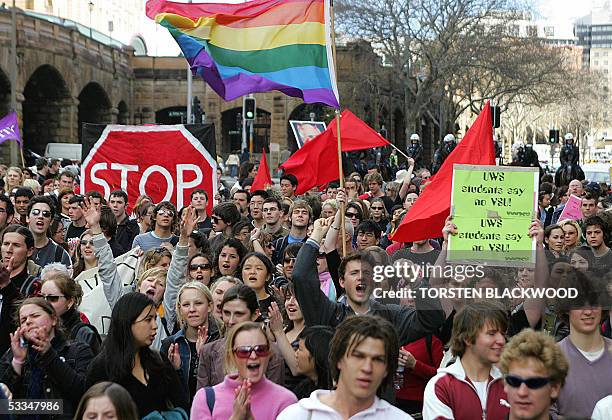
(123, 117)
(94, 106)
(46, 109)
(231, 130)
(5, 94)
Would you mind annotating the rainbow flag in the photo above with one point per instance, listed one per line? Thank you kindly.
(257, 46)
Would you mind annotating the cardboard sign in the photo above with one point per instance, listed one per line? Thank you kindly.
(493, 207)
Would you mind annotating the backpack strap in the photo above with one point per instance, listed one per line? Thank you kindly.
(164, 322)
(428, 340)
(210, 398)
(59, 253)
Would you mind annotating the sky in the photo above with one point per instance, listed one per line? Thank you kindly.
(564, 12)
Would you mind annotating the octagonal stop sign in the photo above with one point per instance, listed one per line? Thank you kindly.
(164, 162)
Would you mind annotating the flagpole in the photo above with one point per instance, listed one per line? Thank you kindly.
(337, 112)
(13, 75)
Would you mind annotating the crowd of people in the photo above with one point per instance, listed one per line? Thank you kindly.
(268, 306)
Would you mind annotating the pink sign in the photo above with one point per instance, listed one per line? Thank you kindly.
(572, 209)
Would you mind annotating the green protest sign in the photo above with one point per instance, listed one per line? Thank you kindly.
(492, 207)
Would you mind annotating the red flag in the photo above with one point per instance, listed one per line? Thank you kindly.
(426, 217)
(316, 163)
(262, 179)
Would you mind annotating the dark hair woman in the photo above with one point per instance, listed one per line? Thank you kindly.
(127, 359)
(41, 363)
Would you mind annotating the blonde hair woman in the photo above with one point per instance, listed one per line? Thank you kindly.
(572, 234)
(198, 327)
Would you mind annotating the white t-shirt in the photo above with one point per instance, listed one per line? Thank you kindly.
(592, 355)
(481, 389)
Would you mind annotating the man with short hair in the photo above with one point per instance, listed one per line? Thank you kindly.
(472, 387)
(6, 211)
(595, 231)
(256, 208)
(241, 200)
(163, 220)
(127, 229)
(368, 234)
(288, 185)
(588, 206)
(356, 277)
(534, 369)
(54, 168)
(42, 170)
(272, 214)
(300, 215)
(375, 184)
(22, 198)
(363, 359)
(40, 212)
(587, 350)
(17, 248)
(199, 201)
(77, 219)
(66, 180)
(225, 216)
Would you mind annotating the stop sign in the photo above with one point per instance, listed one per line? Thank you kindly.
(164, 162)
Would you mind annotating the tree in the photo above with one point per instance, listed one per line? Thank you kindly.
(453, 55)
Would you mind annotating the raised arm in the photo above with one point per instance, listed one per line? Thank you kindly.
(534, 307)
(276, 326)
(406, 181)
(316, 307)
(178, 265)
(107, 270)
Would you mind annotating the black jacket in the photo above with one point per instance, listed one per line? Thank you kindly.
(79, 331)
(411, 324)
(63, 369)
(9, 295)
(126, 232)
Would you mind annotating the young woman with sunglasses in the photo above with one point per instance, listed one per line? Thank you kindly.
(85, 256)
(42, 363)
(64, 294)
(127, 359)
(199, 268)
(245, 392)
(378, 213)
(193, 308)
(239, 305)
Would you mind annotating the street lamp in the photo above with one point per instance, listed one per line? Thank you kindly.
(91, 7)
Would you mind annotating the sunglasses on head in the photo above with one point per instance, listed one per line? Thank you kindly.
(52, 298)
(244, 352)
(535, 382)
(38, 212)
(194, 267)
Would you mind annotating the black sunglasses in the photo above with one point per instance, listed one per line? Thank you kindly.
(351, 215)
(535, 382)
(194, 267)
(52, 298)
(215, 219)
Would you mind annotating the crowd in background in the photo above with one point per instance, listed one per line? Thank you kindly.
(252, 310)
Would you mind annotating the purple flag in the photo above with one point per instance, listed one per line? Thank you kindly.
(9, 129)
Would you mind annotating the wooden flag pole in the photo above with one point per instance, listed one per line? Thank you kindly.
(342, 208)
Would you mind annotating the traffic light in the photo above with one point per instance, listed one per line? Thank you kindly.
(249, 108)
(495, 116)
(553, 136)
(197, 111)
